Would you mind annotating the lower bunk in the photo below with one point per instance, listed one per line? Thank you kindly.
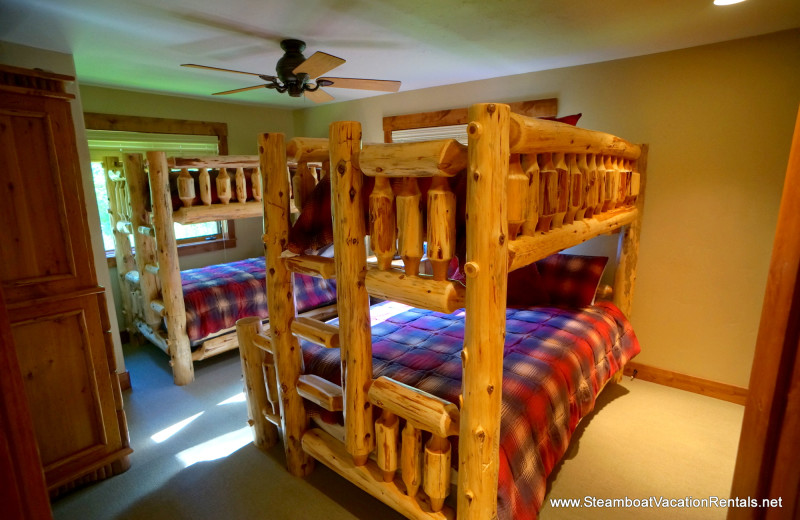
(556, 361)
(217, 296)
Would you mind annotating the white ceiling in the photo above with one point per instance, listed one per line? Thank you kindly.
(139, 44)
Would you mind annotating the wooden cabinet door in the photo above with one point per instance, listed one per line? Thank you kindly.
(45, 243)
(65, 371)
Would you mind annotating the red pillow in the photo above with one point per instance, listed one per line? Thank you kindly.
(571, 280)
(525, 288)
(569, 120)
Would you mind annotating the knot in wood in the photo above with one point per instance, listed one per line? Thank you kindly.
(474, 129)
(490, 389)
(471, 269)
(476, 175)
(341, 168)
(464, 357)
(480, 434)
(491, 108)
(502, 239)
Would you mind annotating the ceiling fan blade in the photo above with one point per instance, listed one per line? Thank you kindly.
(217, 68)
(318, 96)
(364, 84)
(234, 91)
(318, 64)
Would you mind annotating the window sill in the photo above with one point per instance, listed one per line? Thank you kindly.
(188, 249)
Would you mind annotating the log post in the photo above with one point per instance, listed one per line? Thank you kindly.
(436, 482)
(302, 185)
(628, 249)
(624, 182)
(562, 176)
(265, 434)
(204, 183)
(280, 300)
(441, 226)
(144, 244)
(117, 191)
(387, 429)
(169, 270)
(186, 188)
(256, 184)
(224, 186)
(409, 225)
(241, 185)
(588, 164)
(612, 183)
(548, 192)
(382, 222)
(531, 167)
(601, 184)
(411, 459)
(576, 190)
(517, 196)
(353, 300)
(484, 330)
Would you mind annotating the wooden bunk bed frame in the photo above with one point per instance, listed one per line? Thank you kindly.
(153, 295)
(590, 184)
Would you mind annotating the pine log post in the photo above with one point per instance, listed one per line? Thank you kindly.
(487, 269)
(409, 225)
(531, 167)
(169, 271)
(241, 185)
(257, 185)
(411, 459)
(186, 190)
(441, 226)
(265, 434)
(601, 184)
(353, 300)
(280, 300)
(204, 181)
(587, 164)
(576, 190)
(517, 196)
(628, 249)
(136, 177)
(117, 197)
(387, 430)
(548, 192)
(382, 222)
(224, 186)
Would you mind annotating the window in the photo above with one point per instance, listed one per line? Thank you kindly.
(111, 136)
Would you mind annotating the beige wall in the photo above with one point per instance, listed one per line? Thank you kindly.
(719, 120)
(244, 122)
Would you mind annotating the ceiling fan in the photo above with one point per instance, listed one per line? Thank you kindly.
(299, 76)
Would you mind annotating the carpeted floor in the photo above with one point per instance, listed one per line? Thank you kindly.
(193, 458)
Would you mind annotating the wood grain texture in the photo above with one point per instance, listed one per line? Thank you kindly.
(351, 269)
(169, 270)
(280, 299)
(482, 357)
(265, 434)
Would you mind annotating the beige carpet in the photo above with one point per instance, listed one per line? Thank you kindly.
(192, 458)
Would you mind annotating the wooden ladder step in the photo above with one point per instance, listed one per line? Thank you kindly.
(312, 265)
(316, 331)
(321, 392)
(158, 306)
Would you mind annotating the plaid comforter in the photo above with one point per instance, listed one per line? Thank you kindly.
(218, 295)
(556, 361)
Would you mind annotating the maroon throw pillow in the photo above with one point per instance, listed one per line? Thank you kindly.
(525, 288)
(569, 120)
(571, 280)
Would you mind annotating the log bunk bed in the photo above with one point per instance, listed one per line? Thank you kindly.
(533, 188)
(143, 204)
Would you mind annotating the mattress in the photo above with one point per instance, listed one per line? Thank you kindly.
(217, 296)
(556, 361)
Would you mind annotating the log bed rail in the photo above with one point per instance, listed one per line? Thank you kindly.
(140, 205)
(534, 188)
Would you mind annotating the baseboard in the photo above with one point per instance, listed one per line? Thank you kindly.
(124, 380)
(724, 391)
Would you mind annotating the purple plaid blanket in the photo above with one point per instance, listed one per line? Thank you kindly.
(556, 361)
(218, 295)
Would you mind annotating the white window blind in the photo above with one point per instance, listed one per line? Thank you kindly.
(457, 132)
(103, 143)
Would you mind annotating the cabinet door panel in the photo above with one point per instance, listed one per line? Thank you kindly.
(43, 216)
(62, 356)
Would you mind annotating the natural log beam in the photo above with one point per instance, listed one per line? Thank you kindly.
(320, 266)
(445, 157)
(425, 411)
(320, 391)
(418, 291)
(217, 161)
(214, 212)
(316, 331)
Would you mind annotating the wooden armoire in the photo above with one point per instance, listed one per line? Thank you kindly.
(59, 321)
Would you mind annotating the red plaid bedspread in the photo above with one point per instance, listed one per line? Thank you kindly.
(556, 361)
(218, 295)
